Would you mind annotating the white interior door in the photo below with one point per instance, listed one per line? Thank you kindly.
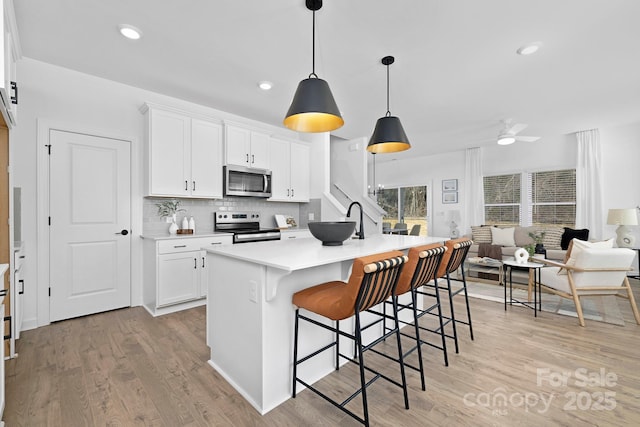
(90, 210)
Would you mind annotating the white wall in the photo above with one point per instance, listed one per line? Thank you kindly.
(620, 158)
(621, 171)
(82, 101)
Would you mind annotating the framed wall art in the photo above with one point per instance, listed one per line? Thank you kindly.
(451, 197)
(449, 185)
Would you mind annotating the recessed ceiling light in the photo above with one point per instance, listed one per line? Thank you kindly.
(265, 85)
(130, 31)
(529, 48)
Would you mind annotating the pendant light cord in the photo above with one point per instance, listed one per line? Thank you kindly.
(388, 111)
(313, 48)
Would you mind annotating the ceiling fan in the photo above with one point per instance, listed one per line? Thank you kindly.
(509, 133)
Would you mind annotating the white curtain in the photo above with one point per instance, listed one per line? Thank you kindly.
(589, 183)
(474, 189)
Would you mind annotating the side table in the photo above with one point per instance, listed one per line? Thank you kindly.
(534, 281)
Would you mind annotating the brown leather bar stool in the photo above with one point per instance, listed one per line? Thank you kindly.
(421, 269)
(452, 260)
(372, 281)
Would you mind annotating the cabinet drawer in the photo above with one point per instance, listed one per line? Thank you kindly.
(193, 244)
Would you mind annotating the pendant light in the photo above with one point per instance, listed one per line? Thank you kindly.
(388, 135)
(313, 108)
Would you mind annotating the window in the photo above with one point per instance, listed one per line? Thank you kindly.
(502, 199)
(531, 198)
(553, 198)
(405, 204)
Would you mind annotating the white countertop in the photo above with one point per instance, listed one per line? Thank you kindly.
(298, 254)
(167, 236)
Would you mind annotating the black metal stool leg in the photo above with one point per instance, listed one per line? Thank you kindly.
(453, 316)
(414, 300)
(400, 355)
(363, 383)
(295, 355)
(442, 334)
(466, 301)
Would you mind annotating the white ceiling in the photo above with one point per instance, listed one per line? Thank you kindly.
(456, 73)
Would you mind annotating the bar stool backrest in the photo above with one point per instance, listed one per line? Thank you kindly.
(421, 268)
(379, 281)
(457, 250)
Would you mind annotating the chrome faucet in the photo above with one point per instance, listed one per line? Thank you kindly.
(360, 233)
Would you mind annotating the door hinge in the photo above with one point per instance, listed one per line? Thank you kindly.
(48, 148)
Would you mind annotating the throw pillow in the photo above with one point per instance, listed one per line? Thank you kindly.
(570, 234)
(503, 236)
(552, 237)
(481, 234)
(577, 246)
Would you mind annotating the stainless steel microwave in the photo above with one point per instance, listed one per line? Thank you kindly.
(243, 181)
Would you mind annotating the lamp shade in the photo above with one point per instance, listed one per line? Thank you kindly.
(388, 136)
(622, 217)
(313, 108)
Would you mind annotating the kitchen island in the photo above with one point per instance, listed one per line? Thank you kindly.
(250, 316)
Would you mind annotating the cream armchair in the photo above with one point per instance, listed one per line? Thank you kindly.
(591, 271)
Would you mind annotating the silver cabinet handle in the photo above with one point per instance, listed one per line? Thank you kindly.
(194, 186)
(253, 159)
(195, 263)
(292, 192)
(247, 157)
(179, 246)
(202, 262)
(186, 186)
(216, 243)
(123, 232)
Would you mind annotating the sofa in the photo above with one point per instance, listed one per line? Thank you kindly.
(494, 241)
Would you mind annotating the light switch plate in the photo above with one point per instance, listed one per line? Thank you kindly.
(311, 216)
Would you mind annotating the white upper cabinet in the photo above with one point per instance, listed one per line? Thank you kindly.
(245, 147)
(184, 156)
(289, 162)
(206, 159)
(8, 82)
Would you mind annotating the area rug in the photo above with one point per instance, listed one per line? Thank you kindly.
(598, 308)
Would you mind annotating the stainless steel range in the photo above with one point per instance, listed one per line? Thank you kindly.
(245, 226)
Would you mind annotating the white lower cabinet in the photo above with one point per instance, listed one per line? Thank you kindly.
(175, 272)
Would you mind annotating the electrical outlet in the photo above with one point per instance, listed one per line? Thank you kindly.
(311, 216)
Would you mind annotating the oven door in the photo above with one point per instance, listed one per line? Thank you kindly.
(243, 181)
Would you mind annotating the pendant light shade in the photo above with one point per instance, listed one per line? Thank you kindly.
(388, 135)
(313, 108)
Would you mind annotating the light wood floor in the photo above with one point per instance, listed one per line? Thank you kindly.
(125, 368)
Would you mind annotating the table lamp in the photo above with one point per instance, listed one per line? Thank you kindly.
(623, 218)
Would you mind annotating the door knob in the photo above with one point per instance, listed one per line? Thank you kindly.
(124, 232)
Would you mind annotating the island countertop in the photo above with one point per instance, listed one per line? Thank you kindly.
(298, 254)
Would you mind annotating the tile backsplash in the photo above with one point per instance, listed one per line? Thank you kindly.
(202, 212)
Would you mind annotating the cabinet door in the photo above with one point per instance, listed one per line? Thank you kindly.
(237, 145)
(299, 173)
(259, 156)
(279, 160)
(178, 277)
(206, 159)
(204, 274)
(169, 154)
